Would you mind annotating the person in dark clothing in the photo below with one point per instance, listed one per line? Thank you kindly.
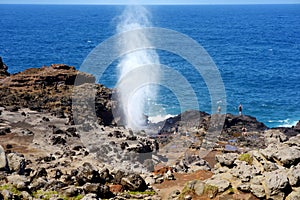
(240, 109)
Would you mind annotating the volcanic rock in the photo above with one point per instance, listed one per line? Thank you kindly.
(3, 161)
(91, 188)
(226, 159)
(133, 182)
(274, 136)
(3, 69)
(51, 89)
(174, 194)
(195, 185)
(285, 154)
(218, 182)
(294, 176)
(258, 190)
(297, 127)
(90, 197)
(236, 123)
(294, 195)
(5, 194)
(16, 162)
(277, 183)
(20, 182)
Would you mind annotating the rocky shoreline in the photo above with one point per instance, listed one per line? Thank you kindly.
(44, 154)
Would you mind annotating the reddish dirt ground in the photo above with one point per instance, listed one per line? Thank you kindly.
(167, 186)
(19, 143)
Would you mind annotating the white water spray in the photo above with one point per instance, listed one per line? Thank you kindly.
(133, 104)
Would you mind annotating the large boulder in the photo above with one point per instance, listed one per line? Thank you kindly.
(257, 188)
(244, 171)
(16, 162)
(276, 184)
(294, 175)
(87, 173)
(91, 188)
(37, 184)
(133, 182)
(196, 186)
(288, 156)
(294, 141)
(282, 152)
(19, 182)
(245, 187)
(274, 136)
(219, 182)
(261, 163)
(269, 152)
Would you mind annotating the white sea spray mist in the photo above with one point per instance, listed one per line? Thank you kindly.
(133, 103)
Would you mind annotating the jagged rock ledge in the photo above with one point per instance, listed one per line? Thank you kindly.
(49, 89)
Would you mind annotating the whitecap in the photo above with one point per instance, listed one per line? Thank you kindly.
(159, 118)
(287, 123)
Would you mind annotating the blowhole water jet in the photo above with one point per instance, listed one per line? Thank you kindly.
(132, 103)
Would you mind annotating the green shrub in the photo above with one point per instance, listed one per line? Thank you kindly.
(230, 190)
(46, 195)
(246, 157)
(185, 191)
(10, 188)
(210, 190)
(148, 192)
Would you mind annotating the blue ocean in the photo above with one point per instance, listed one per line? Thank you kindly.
(255, 47)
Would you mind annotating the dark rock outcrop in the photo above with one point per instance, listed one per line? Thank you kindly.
(51, 89)
(187, 119)
(3, 69)
(235, 123)
(297, 127)
(133, 182)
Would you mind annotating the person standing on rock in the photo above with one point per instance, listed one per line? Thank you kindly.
(219, 109)
(244, 131)
(240, 109)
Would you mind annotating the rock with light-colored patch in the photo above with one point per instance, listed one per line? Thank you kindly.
(274, 136)
(226, 159)
(3, 162)
(294, 175)
(258, 190)
(276, 183)
(220, 183)
(14, 161)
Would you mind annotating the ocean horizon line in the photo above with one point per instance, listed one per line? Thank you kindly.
(116, 4)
